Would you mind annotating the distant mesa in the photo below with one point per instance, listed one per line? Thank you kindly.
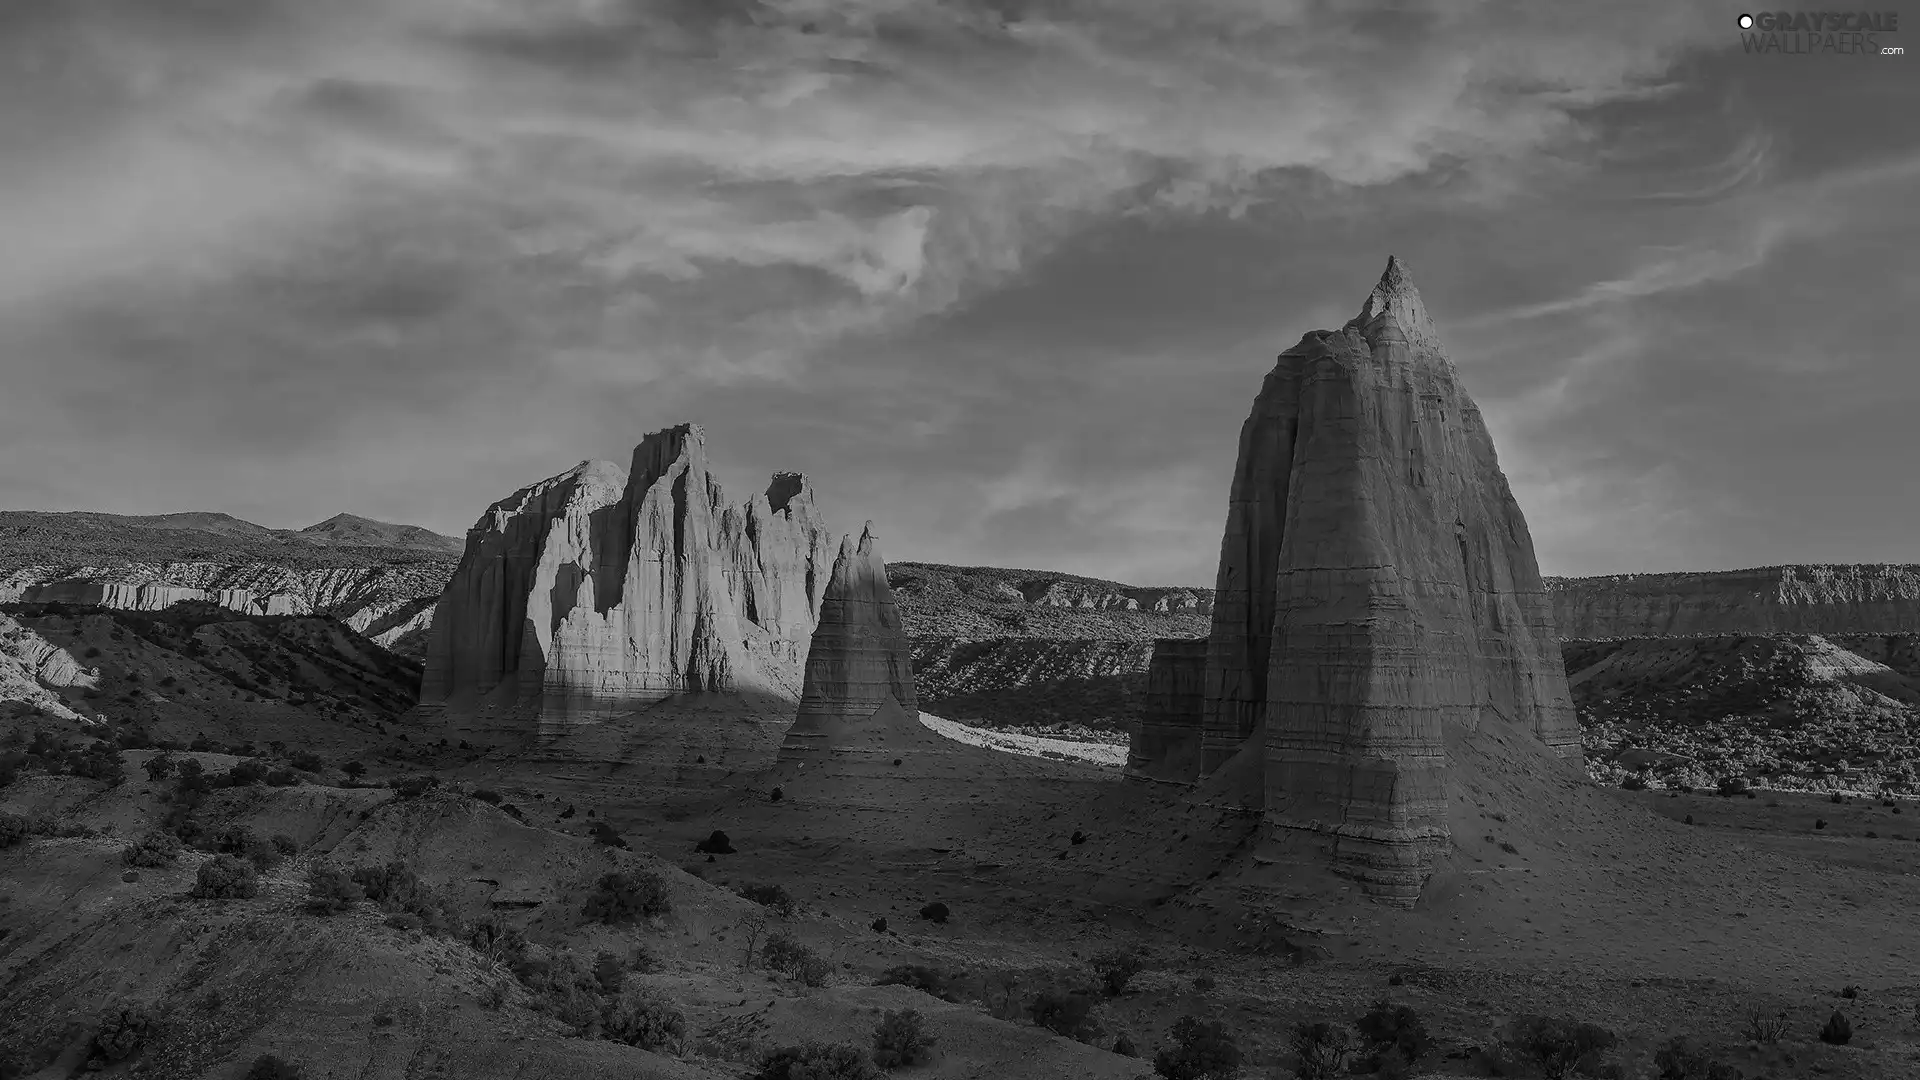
(352, 530)
(1377, 594)
(602, 591)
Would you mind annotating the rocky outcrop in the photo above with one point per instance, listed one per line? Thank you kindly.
(1829, 600)
(981, 603)
(1074, 594)
(602, 591)
(1166, 744)
(389, 604)
(29, 664)
(858, 665)
(1377, 592)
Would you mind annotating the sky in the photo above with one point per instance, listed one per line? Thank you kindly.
(1002, 276)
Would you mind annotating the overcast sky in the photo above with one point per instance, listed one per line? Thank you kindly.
(1001, 275)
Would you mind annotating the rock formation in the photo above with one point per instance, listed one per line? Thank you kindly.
(1377, 589)
(859, 677)
(601, 591)
(1768, 600)
(1166, 745)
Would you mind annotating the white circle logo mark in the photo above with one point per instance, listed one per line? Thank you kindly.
(1746, 22)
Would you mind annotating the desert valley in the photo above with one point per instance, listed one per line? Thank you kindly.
(644, 779)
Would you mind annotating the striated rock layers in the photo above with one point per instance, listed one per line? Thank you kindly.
(859, 677)
(1377, 593)
(1166, 745)
(601, 591)
(1768, 600)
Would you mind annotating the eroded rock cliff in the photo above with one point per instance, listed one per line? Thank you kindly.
(1166, 745)
(601, 591)
(1377, 591)
(1865, 599)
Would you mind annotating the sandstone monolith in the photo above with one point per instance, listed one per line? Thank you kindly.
(1166, 745)
(859, 666)
(601, 591)
(1377, 588)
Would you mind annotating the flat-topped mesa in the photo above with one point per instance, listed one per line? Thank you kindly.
(600, 591)
(1166, 745)
(1377, 589)
(859, 675)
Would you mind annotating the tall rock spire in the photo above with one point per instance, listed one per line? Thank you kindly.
(1377, 590)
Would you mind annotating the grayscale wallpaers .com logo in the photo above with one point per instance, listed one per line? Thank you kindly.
(1839, 33)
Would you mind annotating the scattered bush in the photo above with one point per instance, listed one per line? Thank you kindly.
(1765, 1026)
(1200, 1051)
(284, 844)
(1819, 823)
(603, 833)
(1069, 1015)
(1203, 983)
(244, 774)
(405, 920)
(1635, 782)
(715, 844)
(249, 845)
(1681, 1059)
(495, 939)
(935, 912)
(398, 890)
(1389, 1030)
(775, 794)
(1558, 1048)
(224, 877)
(307, 761)
(1117, 967)
(784, 952)
(772, 897)
(122, 1033)
(901, 1039)
(1124, 1046)
(609, 973)
(879, 925)
(1838, 1030)
(412, 787)
(1729, 786)
(818, 1061)
(331, 890)
(645, 1019)
(155, 848)
(1849, 991)
(158, 767)
(623, 897)
(1077, 838)
(1322, 1049)
(925, 979)
(487, 795)
(269, 1067)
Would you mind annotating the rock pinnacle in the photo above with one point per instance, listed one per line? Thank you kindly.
(1395, 296)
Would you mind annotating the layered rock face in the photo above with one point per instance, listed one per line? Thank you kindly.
(1166, 745)
(1768, 600)
(1377, 587)
(859, 666)
(601, 591)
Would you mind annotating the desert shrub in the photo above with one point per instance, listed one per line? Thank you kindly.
(920, 977)
(397, 889)
(814, 970)
(1636, 782)
(243, 774)
(603, 834)
(154, 848)
(1849, 991)
(284, 844)
(1765, 1025)
(773, 897)
(100, 761)
(412, 787)
(405, 920)
(1117, 967)
(1322, 1049)
(1389, 1029)
(1077, 838)
(1682, 1059)
(1838, 1030)
(331, 890)
(1730, 786)
(646, 1020)
(784, 952)
(158, 767)
(1200, 1051)
(935, 912)
(122, 1032)
(609, 974)
(282, 778)
(775, 794)
(1125, 1048)
(901, 1039)
(487, 795)
(249, 845)
(307, 761)
(495, 939)
(1070, 1015)
(224, 877)
(716, 843)
(623, 897)
(269, 1067)
(818, 1061)
(354, 770)
(1558, 1048)
(1204, 983)
(1819, 823)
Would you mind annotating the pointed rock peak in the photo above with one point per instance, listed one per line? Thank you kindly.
(1396, 297)
(659, 451)
(866, 539)
(785, 487)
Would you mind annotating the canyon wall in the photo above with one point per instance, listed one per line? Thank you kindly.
(1166, 745)
(601, 591)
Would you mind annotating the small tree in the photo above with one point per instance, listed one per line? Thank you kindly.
(1838, 1030)
(935, 912)
(331, 890)
(158, 767)
(14, 829)
(1201, 1051)
(901, 1039)
(1389, 1030)
(1765, 1025)
(818, 1061)
(1116, 967)
(1681, 1059)
(224, 877)
(354, 770)
(623, 897)
(645, 1019)
(609, 973)
(772, 897)
(123, 1031)
(1322, 1049)
(1069, 1015)
(1558, 1048)
(154, 848)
